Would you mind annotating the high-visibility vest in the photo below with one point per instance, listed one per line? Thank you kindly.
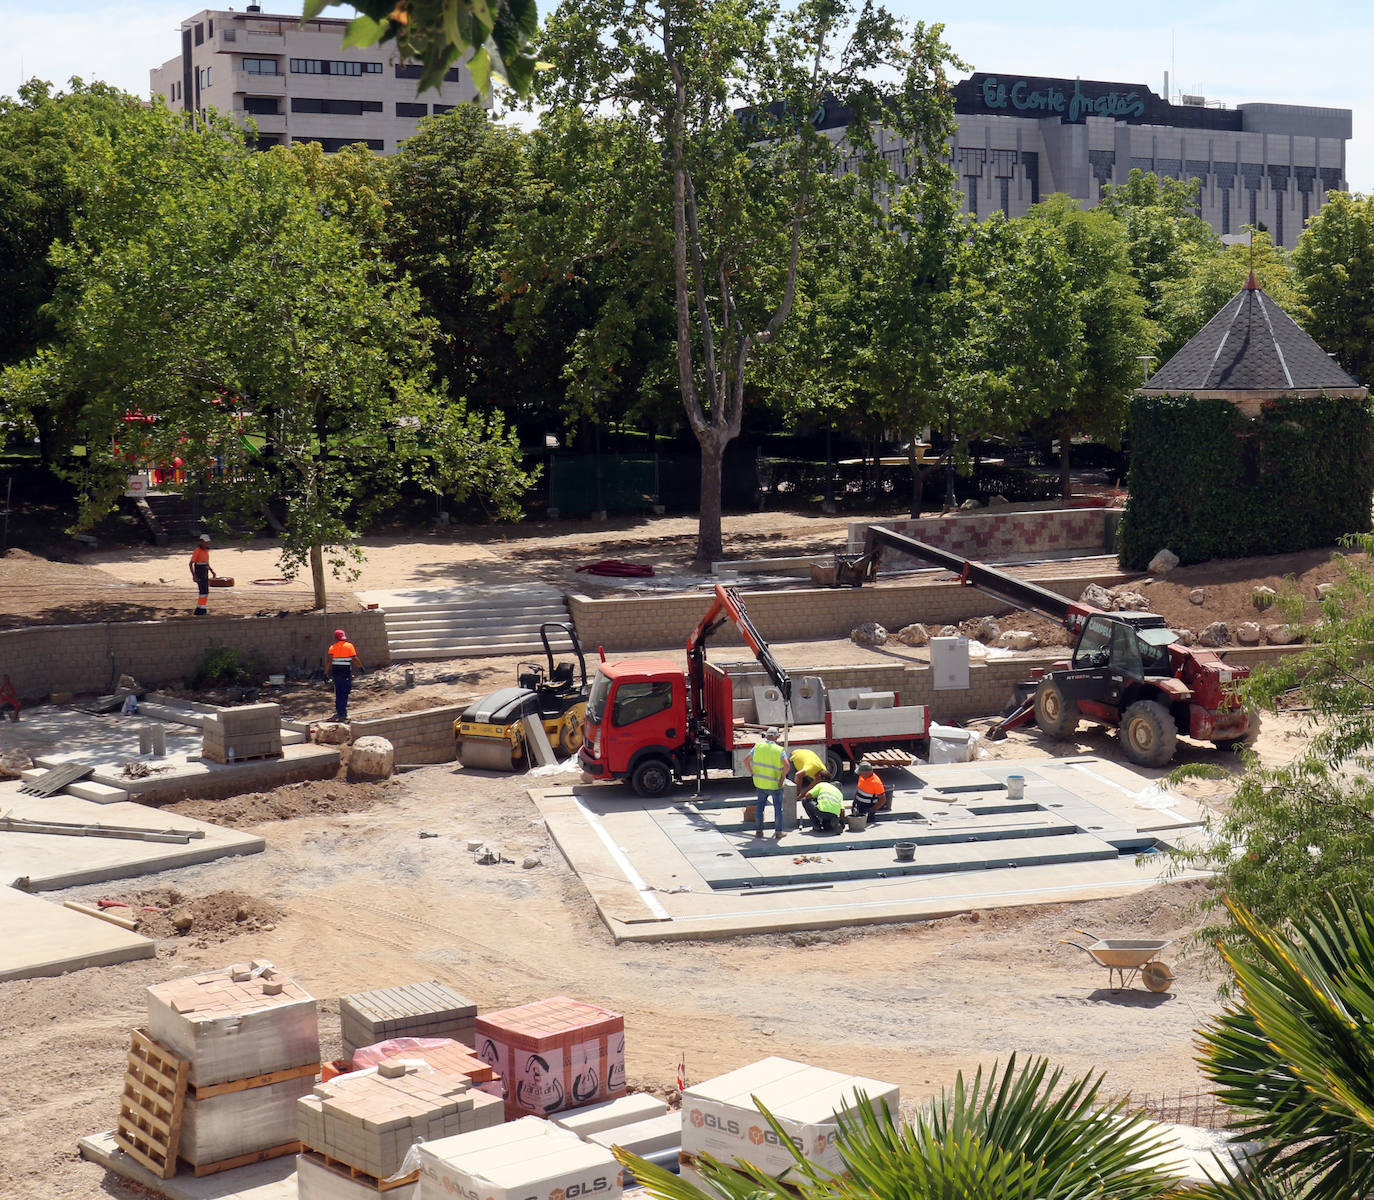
(201, 554)
(870, 785)
(766, 766)
(828, 798)
(342, 654)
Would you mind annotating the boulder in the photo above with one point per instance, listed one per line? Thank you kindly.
(1018, 639)
(1163, 562)
(1197, 596)
(531, 861)
(1248, 633)
(986, 630)
(331, 733)
(14, 762)
(869, 634)
(1215, 634)
(913, 635)
(1098, 597)
(1282, 635)
(949, 631)
(1324, 590)
(1262, 597)
(996, 501)
(371, 758)
(1186, 636)
(969, 504)
(1130, 602)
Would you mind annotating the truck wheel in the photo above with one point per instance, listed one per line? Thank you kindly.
(651, 778)
(1148, 735)
(1252, 728)
(1055, 713)
(834, 764)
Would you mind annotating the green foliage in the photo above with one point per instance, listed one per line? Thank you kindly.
(221, 666)
(1024, 1134)
(1294, 1056)
(1334, 265)
(1208, 482)
(491, 37)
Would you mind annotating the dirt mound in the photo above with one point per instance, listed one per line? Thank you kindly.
(313, 798)
(204, 919)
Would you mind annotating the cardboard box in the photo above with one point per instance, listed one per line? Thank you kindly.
(554, 1054)
(528, 1159)
(720, 1118)
(643, 1137)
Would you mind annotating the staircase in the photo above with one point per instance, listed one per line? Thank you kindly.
(470, 622)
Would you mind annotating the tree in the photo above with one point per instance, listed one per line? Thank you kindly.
(494, 35)
(719, 100)
(1294, 1053)
(210, 310)
(1334, 264)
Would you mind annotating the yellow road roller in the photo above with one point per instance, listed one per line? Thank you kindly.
(490, 733)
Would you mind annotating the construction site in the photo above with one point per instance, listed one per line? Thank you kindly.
(532, 845)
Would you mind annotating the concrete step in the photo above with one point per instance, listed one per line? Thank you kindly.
(464, 640)
(99, 793)
(513, 605)
(428, 653)
(476, 621)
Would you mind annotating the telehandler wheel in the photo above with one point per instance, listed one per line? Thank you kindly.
(1148, 735)
(651, 778)
(1055, 713)
(1252, 728)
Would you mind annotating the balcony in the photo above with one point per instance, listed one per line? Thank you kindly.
(258, 41)
(266, 122)
(259, 85)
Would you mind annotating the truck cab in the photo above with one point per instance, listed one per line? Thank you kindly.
(636, 723)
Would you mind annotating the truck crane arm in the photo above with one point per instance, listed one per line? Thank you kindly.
(729, 605)
(1019, 593)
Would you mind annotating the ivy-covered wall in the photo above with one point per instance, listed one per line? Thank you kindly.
(1206, 481)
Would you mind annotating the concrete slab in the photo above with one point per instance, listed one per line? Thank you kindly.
(45, 862)
(688, 866)
(274, 1179)
(43, 938)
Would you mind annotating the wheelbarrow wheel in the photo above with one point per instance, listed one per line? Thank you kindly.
(1156, 976)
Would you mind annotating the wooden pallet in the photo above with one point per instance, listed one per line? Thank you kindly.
(55, 779)
(347, 1171)
(197, 1092)
(149, 1126)
(244, 1160)
(888, 758)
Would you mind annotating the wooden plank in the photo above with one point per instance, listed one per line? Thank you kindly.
(348, 1171)
(103, 914)
(252, 1081)
(244, 1160)
(56, 778)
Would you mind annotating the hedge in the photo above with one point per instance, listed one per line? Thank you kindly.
(1206, 481)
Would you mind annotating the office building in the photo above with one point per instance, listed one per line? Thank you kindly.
(298, 83)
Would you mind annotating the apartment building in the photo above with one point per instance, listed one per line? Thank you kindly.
(297, 82)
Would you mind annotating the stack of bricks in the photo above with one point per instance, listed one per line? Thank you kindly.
(450, 1058)
(356, 1129)
(249, 731)
(251, 1037)
(554, 1054)
(421, 1010)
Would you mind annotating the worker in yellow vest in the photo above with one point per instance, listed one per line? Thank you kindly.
(869, 793)
(767, 764)
(824, 804)
(807, 768)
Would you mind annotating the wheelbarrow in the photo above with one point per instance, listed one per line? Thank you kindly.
(1124, 958)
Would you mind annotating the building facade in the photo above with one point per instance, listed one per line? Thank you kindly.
(297, 83)
(1021, 138)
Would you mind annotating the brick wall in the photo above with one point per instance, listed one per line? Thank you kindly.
(1003, 534)
(89, 658)
(418, 737)
(798, 614)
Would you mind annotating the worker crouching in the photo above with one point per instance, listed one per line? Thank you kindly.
(824, 804)
(869, 794)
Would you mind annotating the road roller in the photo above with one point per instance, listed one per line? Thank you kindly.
(489, 732)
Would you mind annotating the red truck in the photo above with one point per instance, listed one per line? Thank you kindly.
(652, 723)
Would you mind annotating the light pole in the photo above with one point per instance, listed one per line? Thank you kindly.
(1144, 360)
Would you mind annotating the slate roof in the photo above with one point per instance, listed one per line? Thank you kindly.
(1250, 345)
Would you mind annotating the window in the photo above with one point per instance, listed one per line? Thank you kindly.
(333, 66)
(438, 108)
(261, 106)
(200, 34)
(338, 108)
(209, 29)
(452, 75)
(635, 701)
(406, 109)
(331, 145)
(1095, 646)
(260, 66)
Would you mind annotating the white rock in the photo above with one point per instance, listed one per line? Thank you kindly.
(913, 635)
(1216, 634)
(1262, 597)
(474, 844)
(1282, 635)
(949, 631)
(987, 630)
(1324, 590)
(1018, 639)
(1097, 596)
(1130, 602)
(531, 861)
(1186, 636)
(14, 762)
(869, 634)
(1197, 596)
(968, 504)
(1248, 633)
(371, 758)
(331, 733)
(1163, 562)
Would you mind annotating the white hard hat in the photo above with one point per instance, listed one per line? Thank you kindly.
(204, 537)
(772, 733)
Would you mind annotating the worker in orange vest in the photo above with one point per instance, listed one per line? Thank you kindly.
(869, 793)
(342, 656)
(201, 573)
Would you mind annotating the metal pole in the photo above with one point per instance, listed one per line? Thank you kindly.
(949, 456)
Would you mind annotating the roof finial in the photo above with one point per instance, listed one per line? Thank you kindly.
(1250, 284)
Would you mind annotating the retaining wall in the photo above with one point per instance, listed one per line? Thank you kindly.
(999, 535)
(418, 737)
(90, 658)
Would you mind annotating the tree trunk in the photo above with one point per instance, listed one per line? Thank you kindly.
(317, 575)
(710, 544)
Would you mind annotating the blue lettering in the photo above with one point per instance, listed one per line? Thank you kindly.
(1073, 107)
(994, 94)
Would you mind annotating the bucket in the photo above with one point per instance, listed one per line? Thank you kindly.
(906, 851)
(858, 822)
(1016, 787)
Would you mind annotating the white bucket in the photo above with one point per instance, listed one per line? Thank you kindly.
(1016, 787)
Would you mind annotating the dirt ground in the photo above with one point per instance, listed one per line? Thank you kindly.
(364, 886)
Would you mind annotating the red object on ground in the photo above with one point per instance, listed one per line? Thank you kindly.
(339, 1066)
(614, 566)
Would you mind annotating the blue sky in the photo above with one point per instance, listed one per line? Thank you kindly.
(1232, 51)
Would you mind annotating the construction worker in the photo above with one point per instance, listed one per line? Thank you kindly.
(807, 768)
(202, 574)
(824, 804)
(869, 793)
(342, 656)
(767, 764)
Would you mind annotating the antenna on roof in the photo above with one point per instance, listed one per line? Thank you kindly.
(1250, 284)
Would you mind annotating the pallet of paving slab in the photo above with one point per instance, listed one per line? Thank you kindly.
(243, 1160)
(348, 1171)
(150, 1109)
(251, 1081)
(54, 779)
